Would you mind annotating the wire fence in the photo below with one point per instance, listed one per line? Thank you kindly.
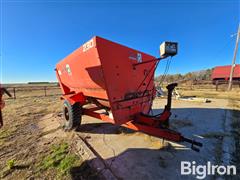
(221, 85)
(54, 90)
(33, 91)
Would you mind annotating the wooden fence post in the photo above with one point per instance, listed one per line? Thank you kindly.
(14, 93)
(45, 91)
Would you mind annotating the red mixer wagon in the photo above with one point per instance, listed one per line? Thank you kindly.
(114, 83)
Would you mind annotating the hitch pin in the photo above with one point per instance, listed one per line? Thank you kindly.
(193, 142)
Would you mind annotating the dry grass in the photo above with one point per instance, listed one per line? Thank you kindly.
(23, 138)
(20, 136)
(212, 94)
(208, 91)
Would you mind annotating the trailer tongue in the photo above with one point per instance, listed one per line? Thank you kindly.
(118, 83)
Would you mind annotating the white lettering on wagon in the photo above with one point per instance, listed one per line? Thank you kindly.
(68, 69)
(137, 57)
(88, 45)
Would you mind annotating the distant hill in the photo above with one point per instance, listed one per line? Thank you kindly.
(191, 76)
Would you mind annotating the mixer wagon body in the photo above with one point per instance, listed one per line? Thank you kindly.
(114, 83)
(104, 70)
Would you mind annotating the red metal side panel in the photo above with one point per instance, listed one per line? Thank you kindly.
(224, 72)
(121, 78)
(81, 72)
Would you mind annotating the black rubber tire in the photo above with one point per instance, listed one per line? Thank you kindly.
(72, 115)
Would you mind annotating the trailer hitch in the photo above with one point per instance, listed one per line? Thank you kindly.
(148, 126)
(193, 142)
(158, 125)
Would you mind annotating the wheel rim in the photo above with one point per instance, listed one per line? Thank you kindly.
(66, 114)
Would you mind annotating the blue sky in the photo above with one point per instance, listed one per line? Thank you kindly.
(37, 34)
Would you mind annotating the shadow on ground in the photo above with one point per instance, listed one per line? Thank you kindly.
(211, 124)
(103, 128)
(130, 165)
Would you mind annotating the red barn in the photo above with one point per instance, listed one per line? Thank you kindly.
(223, 73)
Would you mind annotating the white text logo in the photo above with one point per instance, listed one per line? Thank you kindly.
(201, 171)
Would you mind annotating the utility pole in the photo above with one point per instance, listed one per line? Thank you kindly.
(234, 59)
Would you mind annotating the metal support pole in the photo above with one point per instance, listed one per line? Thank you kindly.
(234, 59)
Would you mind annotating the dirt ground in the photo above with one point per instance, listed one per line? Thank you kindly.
(32, 142)
(33, 145)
